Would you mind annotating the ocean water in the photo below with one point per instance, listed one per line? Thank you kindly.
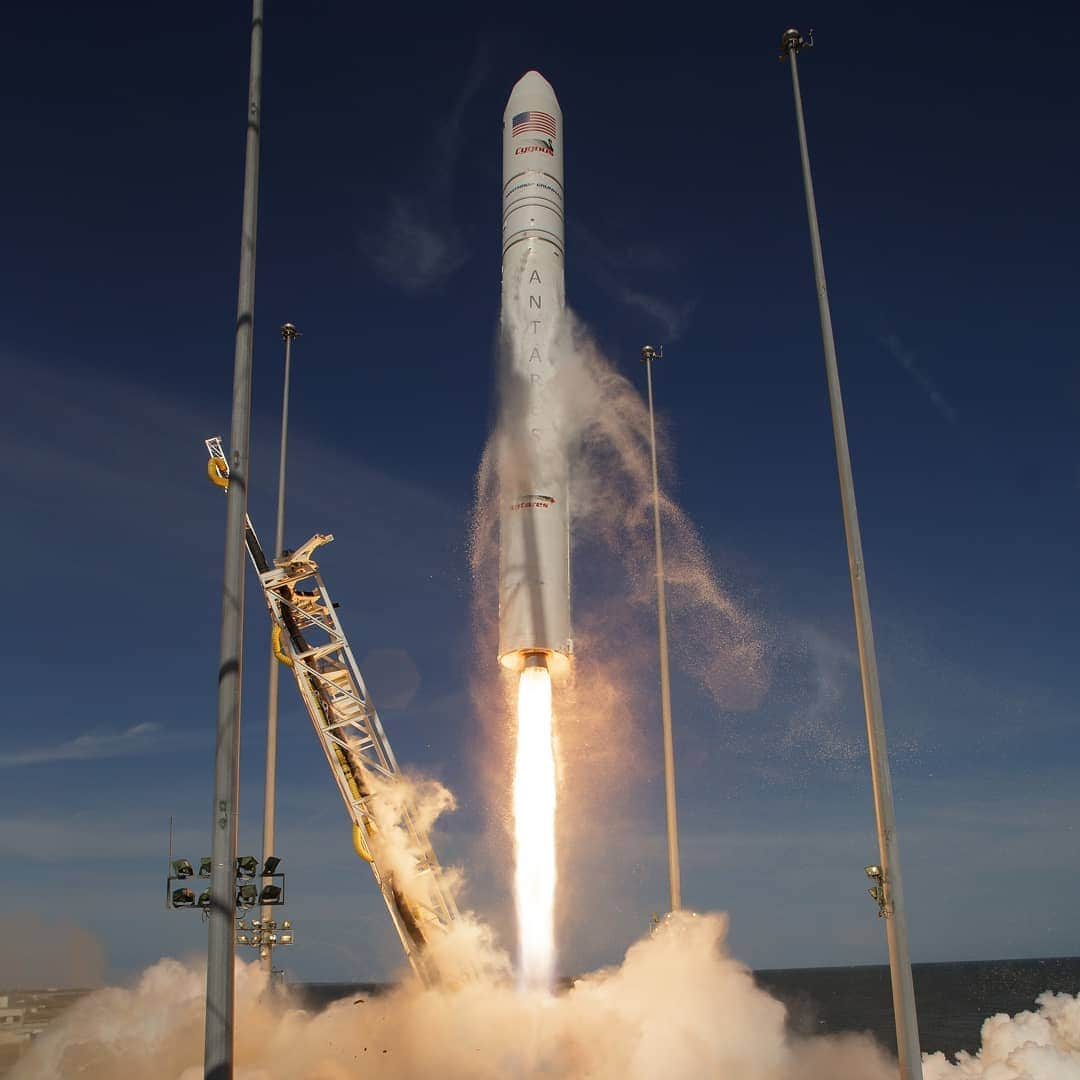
(953, 999)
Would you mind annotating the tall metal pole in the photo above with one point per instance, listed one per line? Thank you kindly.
(648, 355)
(220, 969)
(891, 896)
(266, 948)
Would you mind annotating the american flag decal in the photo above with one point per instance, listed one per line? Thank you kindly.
(539, 122)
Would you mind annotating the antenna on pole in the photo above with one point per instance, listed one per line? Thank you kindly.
(793, 41)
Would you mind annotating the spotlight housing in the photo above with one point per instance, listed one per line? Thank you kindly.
(183, 898)
(205, 866)
(271, 865)
(182, 869)
(247, 895)
(247, 866)
(271, 894)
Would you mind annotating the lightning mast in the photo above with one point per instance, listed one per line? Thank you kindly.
(887, 891)
(220, 960)
(648, 355)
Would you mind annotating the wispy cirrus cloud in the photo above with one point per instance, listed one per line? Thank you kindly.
(417, 245)
(906, 359)
(413, 250)
(673, 318)
(620, 271)
(137, 739)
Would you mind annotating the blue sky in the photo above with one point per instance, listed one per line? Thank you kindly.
(945, 167)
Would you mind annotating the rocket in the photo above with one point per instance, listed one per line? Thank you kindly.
(534, 522)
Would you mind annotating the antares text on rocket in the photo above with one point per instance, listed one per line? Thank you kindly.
(534, 527)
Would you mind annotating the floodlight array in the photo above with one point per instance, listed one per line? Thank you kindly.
(248, 893)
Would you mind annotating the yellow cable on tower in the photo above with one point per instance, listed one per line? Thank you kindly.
(218, 471)
(359, 844)
(279, 652)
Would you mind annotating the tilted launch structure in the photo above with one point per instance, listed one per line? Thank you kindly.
(308, 637)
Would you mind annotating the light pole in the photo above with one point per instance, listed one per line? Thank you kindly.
(220, 960)
(648, 355)
(266, 942)
(887, 891)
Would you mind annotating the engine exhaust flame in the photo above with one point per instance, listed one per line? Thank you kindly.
(534, 831)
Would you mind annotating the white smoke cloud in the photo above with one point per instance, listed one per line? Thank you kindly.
(403, 811)
(1040, 1045)
(677, 1007)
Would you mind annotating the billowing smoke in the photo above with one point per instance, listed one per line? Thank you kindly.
(403, 812)
(678, 1007)
(1040, 1045)
(398, 803)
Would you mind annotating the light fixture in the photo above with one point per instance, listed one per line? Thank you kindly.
(247, 895)
(286, 925)
(183, 898)
(182, 868)
(271, 865)
(247, 866)
(204, 868)
(878, 891)
(286, 938)
(271, 894)
(204, 898)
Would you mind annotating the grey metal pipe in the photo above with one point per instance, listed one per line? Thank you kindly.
(266, 948)
(674, 872)
(907, 1025)
(220, 966)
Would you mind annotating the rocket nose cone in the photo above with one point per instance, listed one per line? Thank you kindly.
(532, 82)
(532, 90)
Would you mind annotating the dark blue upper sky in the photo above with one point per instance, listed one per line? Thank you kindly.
(945, 160)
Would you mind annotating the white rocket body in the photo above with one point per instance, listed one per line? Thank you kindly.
(534, 524)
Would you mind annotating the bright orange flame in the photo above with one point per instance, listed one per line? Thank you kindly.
(534, 831)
